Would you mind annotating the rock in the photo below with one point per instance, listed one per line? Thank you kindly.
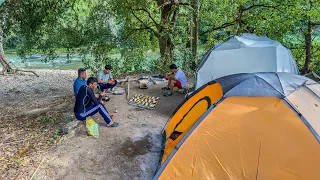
(70, 126)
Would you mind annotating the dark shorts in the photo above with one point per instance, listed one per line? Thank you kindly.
(178, 84)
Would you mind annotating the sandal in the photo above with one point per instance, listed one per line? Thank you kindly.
(168, 94)
(165, 88)
(115, 124)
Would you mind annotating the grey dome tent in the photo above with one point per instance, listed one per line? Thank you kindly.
(247, 53)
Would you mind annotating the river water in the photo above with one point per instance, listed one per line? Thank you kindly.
(61, 62)
(36, 61)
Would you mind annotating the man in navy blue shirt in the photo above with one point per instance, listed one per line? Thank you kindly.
(80, 81)
(87, 104)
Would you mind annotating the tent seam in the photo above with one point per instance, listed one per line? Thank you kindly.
(271, 85)
(280, 82)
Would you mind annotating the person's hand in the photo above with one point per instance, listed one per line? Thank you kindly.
(111, 81)
(103, 102)
(103, 94)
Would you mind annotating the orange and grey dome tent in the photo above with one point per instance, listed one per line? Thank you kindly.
(246, 126)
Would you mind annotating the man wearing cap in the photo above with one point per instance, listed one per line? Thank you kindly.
(105, 79)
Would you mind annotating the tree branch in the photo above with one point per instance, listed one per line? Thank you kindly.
(174, 2)
(260, 5)
(296, 47)
(145, 25)
(315, 23)
(219, 27)
(149, 14)
(134, 30)
(174, 17)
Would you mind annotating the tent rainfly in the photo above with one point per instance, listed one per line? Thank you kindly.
(247, 53)
(246, 126)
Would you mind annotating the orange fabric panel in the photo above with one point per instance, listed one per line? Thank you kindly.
(308, 104)
(213, 91)
(198, 110)
(245, 138)
(169, 146)
(188, 121)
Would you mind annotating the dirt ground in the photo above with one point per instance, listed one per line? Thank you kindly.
(130, 151)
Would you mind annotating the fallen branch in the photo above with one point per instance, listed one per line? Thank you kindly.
(16, 70)
(9, 70)
(37, 168)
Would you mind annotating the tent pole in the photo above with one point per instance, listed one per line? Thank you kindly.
(194, 80)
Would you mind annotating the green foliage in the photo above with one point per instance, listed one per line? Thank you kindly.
(12, 42)
(67, 119)
(148, 38)
(183, 59)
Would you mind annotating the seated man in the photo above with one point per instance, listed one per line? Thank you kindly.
(87, 104)
(176, 78)
(105, 80)
(80, 81)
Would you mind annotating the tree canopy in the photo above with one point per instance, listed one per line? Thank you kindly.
(177, 31)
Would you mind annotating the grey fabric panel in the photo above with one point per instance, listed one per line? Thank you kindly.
(204, 59)
(290, 82)
(206, 55)
(229, 82)
(272, 79)
(254, 86)
(262, 84)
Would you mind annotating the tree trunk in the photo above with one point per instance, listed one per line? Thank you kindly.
(188, 44)
(5, 65)
(308, 42)
(195, 6)
(238, 20)
(165, 43)
(166, 52)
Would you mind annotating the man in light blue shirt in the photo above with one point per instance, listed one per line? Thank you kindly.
(105, 79)
(80, 81)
